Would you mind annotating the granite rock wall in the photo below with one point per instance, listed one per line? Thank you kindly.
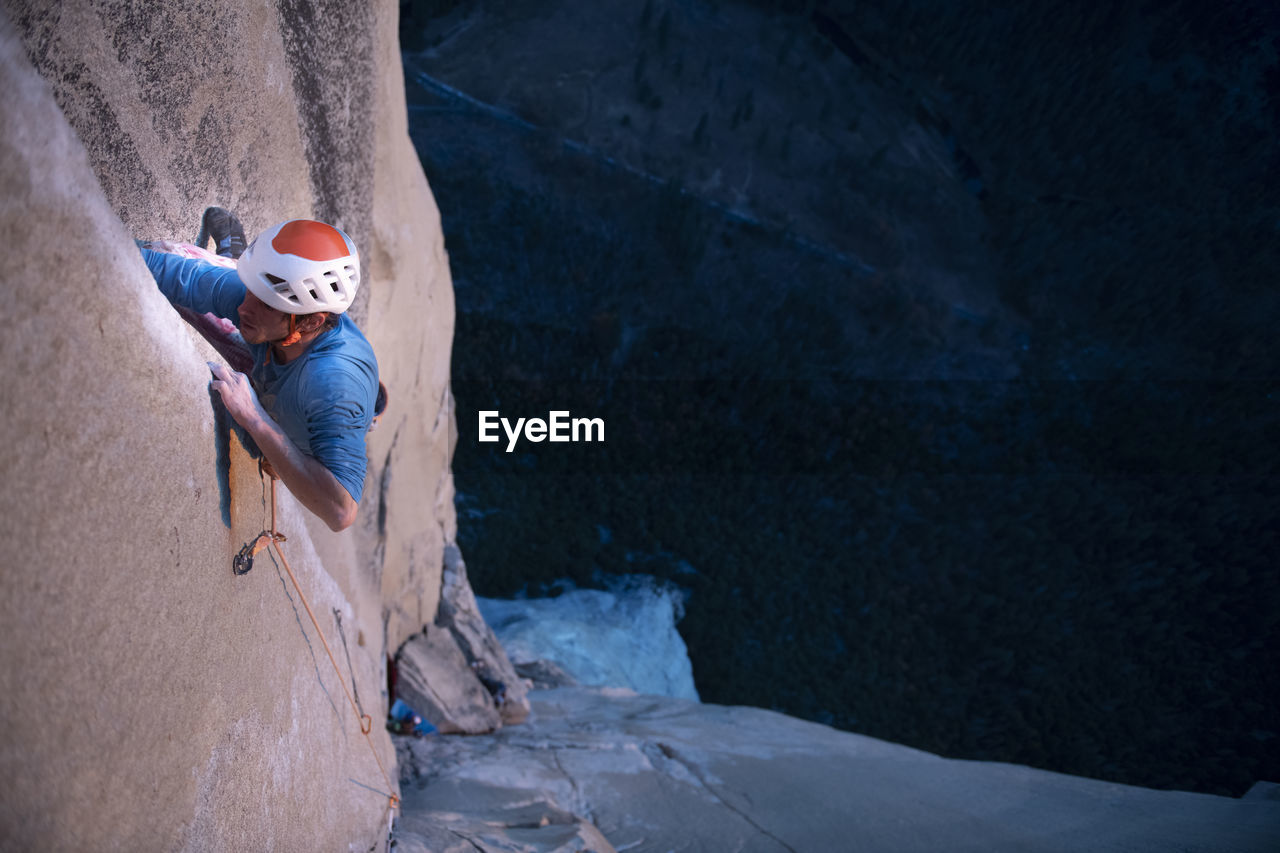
(151, 699)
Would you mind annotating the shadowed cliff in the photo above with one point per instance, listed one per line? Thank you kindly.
(742, 231)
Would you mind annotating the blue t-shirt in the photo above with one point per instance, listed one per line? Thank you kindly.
(323, 399)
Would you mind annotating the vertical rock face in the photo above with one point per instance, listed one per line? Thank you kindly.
(150, 699)
(456, 673)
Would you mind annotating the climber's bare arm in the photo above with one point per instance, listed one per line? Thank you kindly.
(309, 481)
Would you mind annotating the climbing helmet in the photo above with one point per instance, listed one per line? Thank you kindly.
(301, 266)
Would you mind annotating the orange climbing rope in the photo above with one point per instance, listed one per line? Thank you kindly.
(273, 538)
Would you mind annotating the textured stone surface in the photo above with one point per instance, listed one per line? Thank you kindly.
(659, 774)
(150, 699)
(461, 615)
(545, 674)
(533, 828)
(433, 678)
(280, 110)
(407, 515)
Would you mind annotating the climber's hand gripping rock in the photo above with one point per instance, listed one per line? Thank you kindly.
(237, 395)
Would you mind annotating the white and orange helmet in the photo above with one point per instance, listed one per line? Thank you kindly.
(301, 266)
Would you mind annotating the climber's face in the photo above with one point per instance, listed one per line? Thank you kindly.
(259, 322)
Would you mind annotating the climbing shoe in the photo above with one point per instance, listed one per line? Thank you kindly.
(226, 231)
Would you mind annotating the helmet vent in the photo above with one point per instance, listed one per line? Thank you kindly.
(281, 287)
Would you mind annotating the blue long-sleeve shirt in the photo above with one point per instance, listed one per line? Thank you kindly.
(323, 399)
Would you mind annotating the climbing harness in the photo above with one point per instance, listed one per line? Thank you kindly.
(243, 561)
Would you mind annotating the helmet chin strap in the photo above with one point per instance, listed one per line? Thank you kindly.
(288, 340)
(294, 335)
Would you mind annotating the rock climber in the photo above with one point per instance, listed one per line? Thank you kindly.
(309, 399)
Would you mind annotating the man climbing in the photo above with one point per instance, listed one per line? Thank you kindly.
(310, 396)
